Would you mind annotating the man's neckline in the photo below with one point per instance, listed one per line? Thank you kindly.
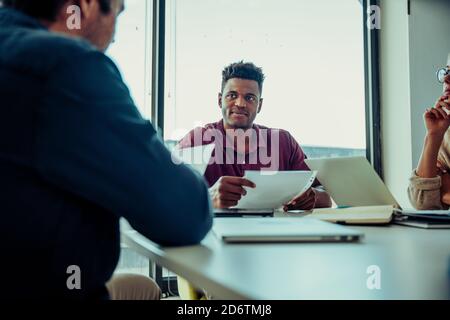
(262, 143)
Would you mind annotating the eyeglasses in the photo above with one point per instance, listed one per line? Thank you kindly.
(441, 74)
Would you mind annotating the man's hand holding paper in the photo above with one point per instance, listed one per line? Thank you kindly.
(306, 201)
(276, 189)
(227, 191)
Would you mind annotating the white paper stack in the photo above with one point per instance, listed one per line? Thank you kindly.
(275, 189)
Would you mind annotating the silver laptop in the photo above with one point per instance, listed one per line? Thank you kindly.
(244, 230)
(352, 181)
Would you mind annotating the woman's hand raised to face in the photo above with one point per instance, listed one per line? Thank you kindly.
(437, 119)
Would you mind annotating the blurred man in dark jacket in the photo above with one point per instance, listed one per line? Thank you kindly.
(76, 155)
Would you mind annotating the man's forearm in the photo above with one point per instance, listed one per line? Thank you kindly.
(323, 198)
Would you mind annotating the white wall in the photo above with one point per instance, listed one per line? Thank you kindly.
(395, 98)
(412, 48)
(429, 46)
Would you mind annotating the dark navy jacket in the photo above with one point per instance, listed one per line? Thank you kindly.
(75, 156)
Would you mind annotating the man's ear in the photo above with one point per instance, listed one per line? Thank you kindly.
(260, 105)
(219, 100)
(89, 8)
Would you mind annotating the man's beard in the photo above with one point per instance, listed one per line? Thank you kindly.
(245, 126)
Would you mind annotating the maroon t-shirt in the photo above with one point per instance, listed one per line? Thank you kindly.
(270, 149)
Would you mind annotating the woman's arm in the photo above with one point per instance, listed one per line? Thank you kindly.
(436, 122)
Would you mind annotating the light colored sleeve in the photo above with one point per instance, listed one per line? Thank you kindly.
(425, 193)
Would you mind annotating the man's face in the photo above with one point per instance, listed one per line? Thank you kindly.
(240, 102)
(101, 27)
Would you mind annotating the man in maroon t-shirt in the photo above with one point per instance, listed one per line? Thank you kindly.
(241, 145)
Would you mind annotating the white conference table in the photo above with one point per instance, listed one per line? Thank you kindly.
(413, 264)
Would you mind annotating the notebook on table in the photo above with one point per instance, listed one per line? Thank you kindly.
(427, 219)
(356, 215)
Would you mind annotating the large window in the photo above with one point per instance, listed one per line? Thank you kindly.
(312, 53)
(131, 51)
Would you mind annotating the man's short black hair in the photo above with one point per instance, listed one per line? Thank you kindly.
(46, 9)
(243, 70)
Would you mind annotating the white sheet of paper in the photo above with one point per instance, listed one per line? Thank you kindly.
(197, 157)
(275, 190)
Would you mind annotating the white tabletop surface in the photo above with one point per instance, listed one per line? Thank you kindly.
(414, 264)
